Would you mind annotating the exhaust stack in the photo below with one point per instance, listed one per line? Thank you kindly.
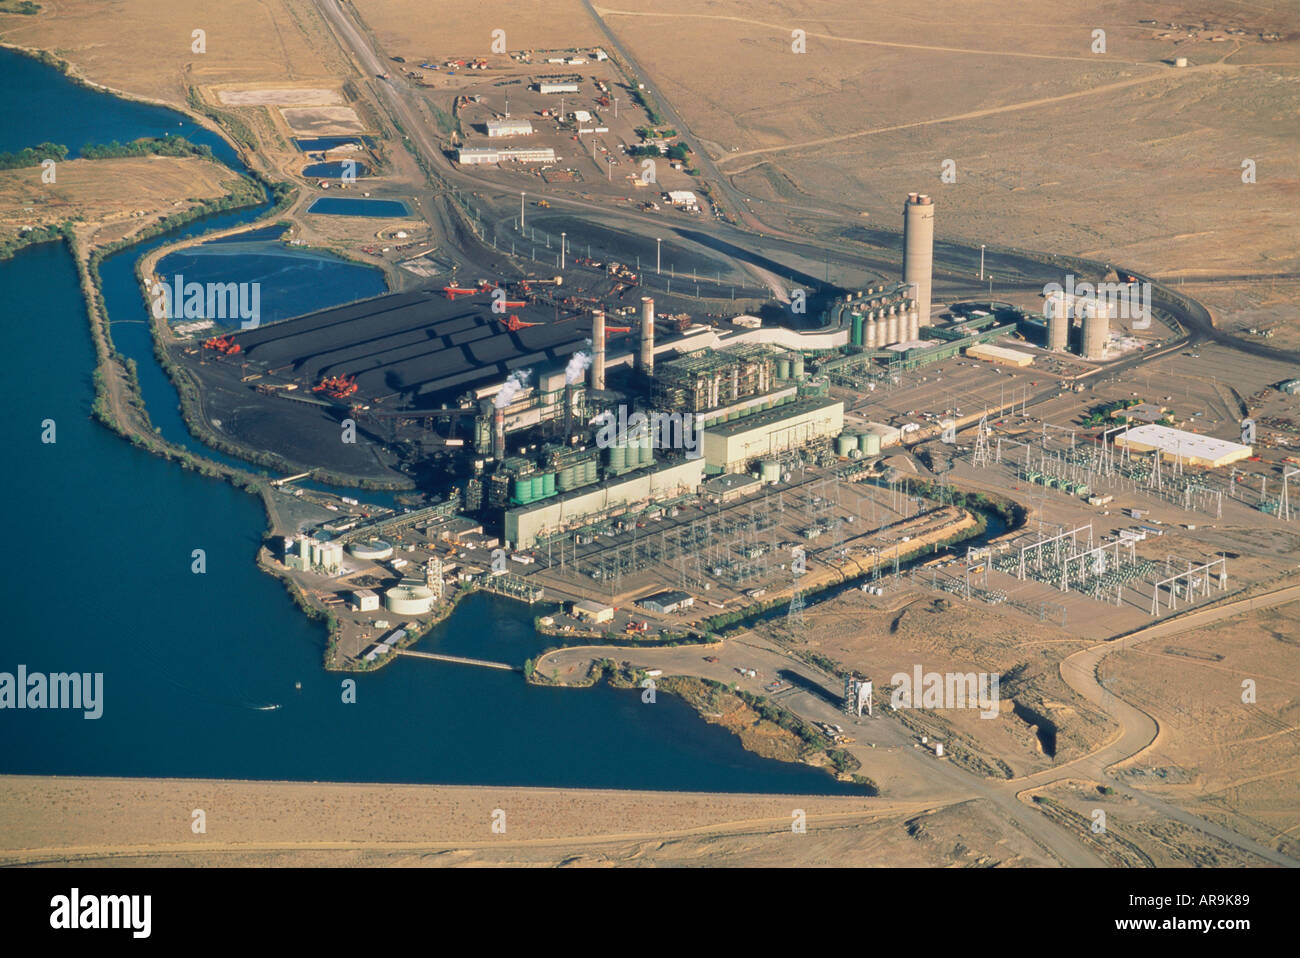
(647, 336)
(598, 349)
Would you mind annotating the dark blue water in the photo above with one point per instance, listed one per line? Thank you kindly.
(218, 674)
(41, 105)
(337, 206)
(332, 171)
(293, 280)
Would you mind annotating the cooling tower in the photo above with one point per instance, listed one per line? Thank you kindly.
(918, 250)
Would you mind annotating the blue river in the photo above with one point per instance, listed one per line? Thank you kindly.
(219, 674)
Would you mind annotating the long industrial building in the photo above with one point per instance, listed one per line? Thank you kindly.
(524, 524)
(732, 446)
(1192, 448)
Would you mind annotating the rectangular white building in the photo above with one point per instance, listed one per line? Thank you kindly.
(509, 127)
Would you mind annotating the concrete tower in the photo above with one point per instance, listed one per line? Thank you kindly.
(598, 349)
(918, 250)
(647, 335)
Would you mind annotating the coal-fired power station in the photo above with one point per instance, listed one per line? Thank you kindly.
(918, 250)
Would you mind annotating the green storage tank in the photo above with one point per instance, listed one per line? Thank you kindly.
(797, 369)
(589, 471)
(565, 482)
(548, 484)
(869, 443)
(617, 458)
(782, 368)
(646, 453)
(844, 443)
(857, 329)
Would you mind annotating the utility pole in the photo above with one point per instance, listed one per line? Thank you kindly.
(657, 260)
(981, 262)
(521, 211)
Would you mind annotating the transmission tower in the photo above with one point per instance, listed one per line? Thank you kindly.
(981, 458)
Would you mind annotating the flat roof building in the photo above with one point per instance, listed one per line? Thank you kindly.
(1192, 448)
(557, 88)
(593, 612)
(666, 603)
(731, 446)
(509, 127)
(999, 355)
(486, 155)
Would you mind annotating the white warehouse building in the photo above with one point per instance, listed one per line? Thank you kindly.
(480, 155)
(514, 127)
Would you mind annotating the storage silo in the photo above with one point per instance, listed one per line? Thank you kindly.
(645, 450)
(873, 331)
(783, 367)
(1096, 330)
(565, 481)
(869, 443)
(891, 330)
(769, 470)
(548, 484)
(845, 443)
(590, 471)
(796, 368)
(1056, 310)
(617, 459)
(918, 249)
(857, 329)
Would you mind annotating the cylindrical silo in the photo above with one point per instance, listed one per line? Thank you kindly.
(769, 470)
(617, 458)
(873, 333)
(857, 329)
(869, 443)
(548, 484)
(913, 324)
(1056, 311)
(645, 450)
(590, 471)
(918, 249)
(783, 367)
(796, 368)
(1096, 330)
(565, 480)
(844, 443)
(891, 327)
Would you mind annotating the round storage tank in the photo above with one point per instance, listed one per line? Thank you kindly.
(782, 368)
(797, 367)
(872, 334)
(548, 484)
(589, 471)
(844, 443)
(869, 443)
(565, 481)
(645, 452)
(372, 550)
(408, 599)
(769, 470)
(617, 458)
(1096, 330)
(857, 330)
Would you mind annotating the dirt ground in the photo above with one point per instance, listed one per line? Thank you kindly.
(1220, 757)
(119, 196)
(880, 636)
(1119, 155)
(150, 822)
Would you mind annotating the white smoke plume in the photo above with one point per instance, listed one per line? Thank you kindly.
(517, 381)
(578, 364)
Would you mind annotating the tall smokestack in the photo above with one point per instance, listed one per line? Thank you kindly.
(647, 335)
(918, 250)
(568, 411)
(598, 349)
(498, 434)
